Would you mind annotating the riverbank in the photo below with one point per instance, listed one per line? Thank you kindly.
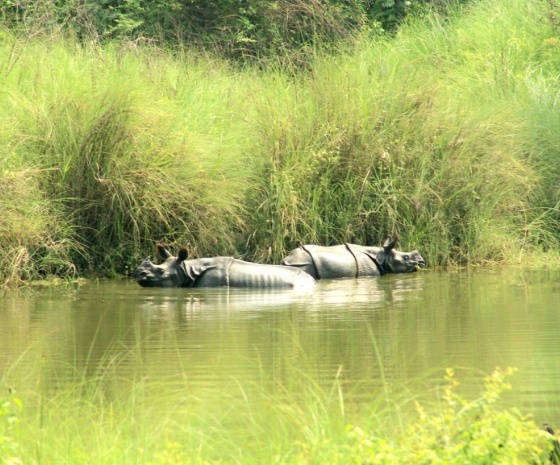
(444, 134)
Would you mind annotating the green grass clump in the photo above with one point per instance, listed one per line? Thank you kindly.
(10, 411)
(126, 150)
(460, 431)
(425, 135)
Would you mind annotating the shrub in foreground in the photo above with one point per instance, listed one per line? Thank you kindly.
(459, 431)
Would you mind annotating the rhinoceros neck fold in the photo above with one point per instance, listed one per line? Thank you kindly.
(383, 266)
(349, 248)
(363, 255)
(186, 279)
(315, 267)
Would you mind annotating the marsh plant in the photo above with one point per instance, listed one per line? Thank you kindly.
(421, 135)
(94, 172)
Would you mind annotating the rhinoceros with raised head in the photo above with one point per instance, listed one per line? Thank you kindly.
(217, 272)
(353, 261)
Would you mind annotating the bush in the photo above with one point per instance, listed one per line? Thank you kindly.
(459, 431)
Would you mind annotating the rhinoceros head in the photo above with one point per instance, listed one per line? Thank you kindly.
(399, 262)
(169, 273)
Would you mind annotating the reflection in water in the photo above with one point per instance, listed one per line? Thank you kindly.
(372, 335)
(176, 305)
(182, 305)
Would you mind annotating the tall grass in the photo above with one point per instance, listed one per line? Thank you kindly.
(128, 147)
(444, 134)
(425, 135)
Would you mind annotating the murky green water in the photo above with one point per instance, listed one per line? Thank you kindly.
(394, 331)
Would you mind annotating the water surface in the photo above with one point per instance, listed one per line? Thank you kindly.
(372, 335)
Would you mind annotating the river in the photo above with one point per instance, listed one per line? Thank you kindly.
(373, 335)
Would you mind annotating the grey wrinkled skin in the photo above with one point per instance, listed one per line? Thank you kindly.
(217, 272)
(353, 261)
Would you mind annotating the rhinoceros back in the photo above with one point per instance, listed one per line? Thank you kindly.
(331, 262)
(207, 272)
(340, 261)
(246, 274)
(228, 271)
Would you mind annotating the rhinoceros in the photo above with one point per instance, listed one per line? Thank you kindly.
(353, 261)
(217, 272)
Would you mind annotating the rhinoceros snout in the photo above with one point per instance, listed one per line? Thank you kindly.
(143, 277)
(141, 274)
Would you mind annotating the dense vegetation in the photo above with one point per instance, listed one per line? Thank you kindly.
(444, 132)
(247, 31)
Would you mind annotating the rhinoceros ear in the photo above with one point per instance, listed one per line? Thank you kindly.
(390, 243)
(183, 254)
(163, 252)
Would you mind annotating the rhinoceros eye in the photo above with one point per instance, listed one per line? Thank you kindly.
(406, 257)
(160, 271)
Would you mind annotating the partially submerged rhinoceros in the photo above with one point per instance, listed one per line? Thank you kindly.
(217, 272)
(353, 261)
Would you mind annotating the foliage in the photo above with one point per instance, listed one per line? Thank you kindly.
(388, 150)
(245, 31)
(10, 411)
(460, 431)
(166, 423)
(97, 172)
(37, 241)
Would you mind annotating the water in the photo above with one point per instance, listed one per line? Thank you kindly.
(373, 335)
